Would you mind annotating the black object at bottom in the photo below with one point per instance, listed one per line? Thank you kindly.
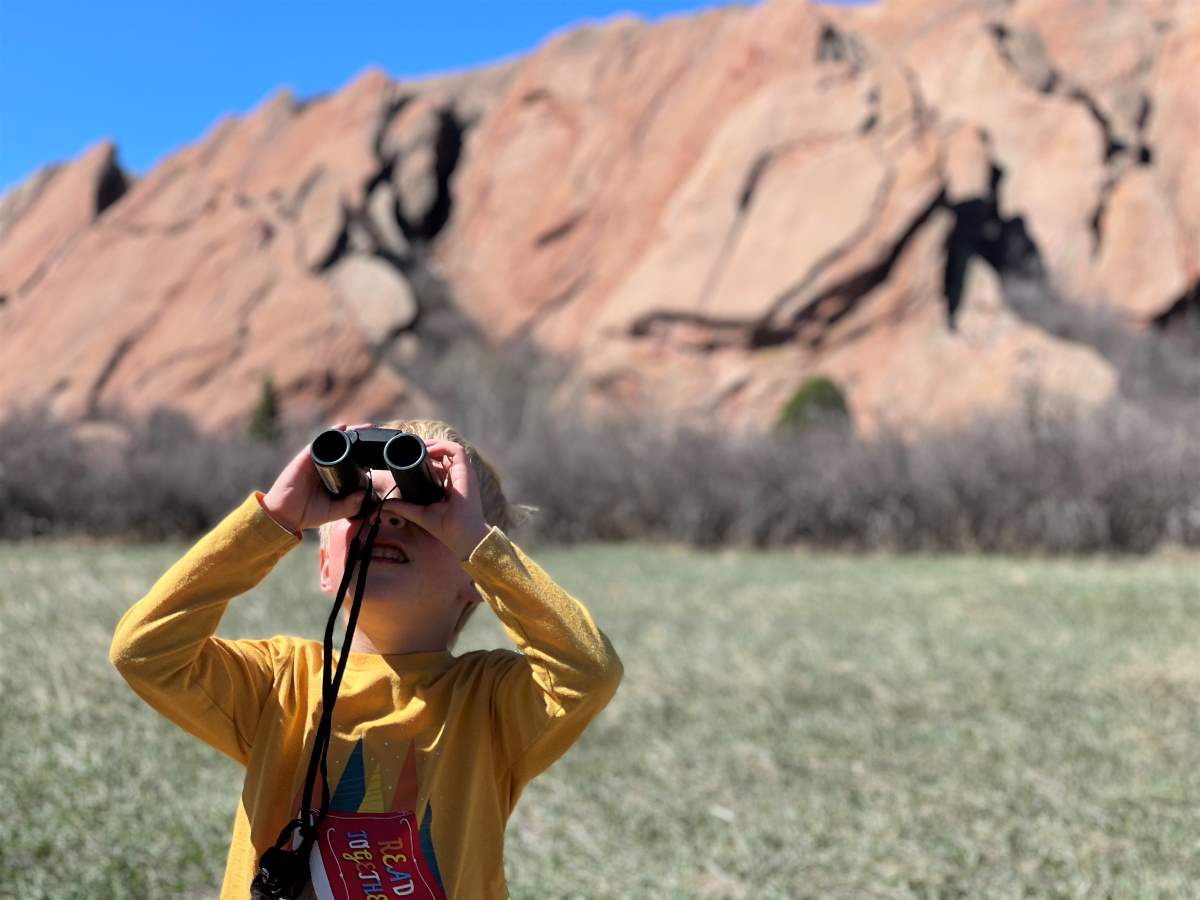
(281, 873)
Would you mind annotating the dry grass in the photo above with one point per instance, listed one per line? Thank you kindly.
(790, 726)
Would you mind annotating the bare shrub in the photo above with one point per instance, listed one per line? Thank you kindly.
(1043, 481)
(157, 477)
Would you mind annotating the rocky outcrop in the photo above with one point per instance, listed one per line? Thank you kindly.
(693, 216)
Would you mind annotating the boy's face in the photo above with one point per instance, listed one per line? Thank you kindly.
(416, 587)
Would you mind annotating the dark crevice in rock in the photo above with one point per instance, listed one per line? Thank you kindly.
(724, 332)
(1144, 112)
(112, 187)
(118, 353)
(390, 111)
(980, 230)
(1113, 146)
(448, 150)
(752, 179)
(923, 114)
(407, 228)
(834, 46)
(291, 209)
(872, 118)
(340, 247)
(402, 264)
(1145, 153)
(387, 166)
(387, 161)
(558, 232)
(1096, 223)
(379, 244)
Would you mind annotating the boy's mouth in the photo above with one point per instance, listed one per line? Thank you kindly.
(389, 553)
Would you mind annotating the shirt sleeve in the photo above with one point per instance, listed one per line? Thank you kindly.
(164, 646)
(566, 672)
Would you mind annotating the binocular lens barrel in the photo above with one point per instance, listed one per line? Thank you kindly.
(404, 451)
(407, 460)
(331, 453)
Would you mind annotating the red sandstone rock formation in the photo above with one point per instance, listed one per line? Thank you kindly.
(694, 216)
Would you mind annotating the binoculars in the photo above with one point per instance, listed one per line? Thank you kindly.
(344, 460)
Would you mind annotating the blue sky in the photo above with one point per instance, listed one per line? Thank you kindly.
(155, 75)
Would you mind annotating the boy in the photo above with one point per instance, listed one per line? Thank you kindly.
(428, 752)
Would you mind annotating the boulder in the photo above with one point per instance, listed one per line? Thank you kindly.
(376, 296)
(1141, 269)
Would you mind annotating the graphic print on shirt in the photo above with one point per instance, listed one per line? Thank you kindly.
(370, 845)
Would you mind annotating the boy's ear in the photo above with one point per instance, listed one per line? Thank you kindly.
(324, 578)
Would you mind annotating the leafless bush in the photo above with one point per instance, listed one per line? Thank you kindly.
(1061, 483)
(151, 478)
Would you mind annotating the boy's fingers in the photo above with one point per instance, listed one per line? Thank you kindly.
(414, 512)
(448, 454)
(348, 506)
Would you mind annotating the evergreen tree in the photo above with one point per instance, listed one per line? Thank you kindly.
(264, 424)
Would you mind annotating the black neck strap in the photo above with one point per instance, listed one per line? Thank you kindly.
(283, 872)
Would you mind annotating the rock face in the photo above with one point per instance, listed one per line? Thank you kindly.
(693, 216)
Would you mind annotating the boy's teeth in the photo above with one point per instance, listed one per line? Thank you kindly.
(388, 553)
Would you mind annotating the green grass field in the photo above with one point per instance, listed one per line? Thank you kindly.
(789, 726)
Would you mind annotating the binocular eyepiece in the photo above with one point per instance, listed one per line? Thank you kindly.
(344, 460)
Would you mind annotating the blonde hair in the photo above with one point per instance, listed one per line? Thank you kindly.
(496, 508)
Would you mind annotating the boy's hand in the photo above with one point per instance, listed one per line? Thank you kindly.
(458, 520)
(298, 499)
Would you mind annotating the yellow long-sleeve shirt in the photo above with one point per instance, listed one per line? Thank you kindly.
(447, 741)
